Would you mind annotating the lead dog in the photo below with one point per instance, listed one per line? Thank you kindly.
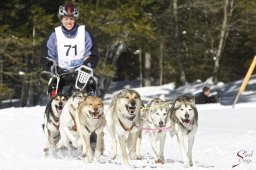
(123, 122)
(90, 119)
(157, 123)
(184, 117)
(68, 125)
(51, 122)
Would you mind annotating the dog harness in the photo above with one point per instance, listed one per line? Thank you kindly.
(158, 130)
(124, 127)
(55, 119)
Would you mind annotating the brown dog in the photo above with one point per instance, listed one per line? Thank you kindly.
(90, 120)
(124, 120)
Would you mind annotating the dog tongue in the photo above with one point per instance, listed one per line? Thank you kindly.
(59, 110)
(96, 114)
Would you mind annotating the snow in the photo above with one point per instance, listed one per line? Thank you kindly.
(222, 134)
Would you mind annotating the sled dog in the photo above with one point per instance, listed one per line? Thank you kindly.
(51, 122)
(123, 121)
(184, 117)
(157, 123)
(68, 125)
(90, 119)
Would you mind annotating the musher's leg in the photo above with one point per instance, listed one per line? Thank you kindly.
(52, 91)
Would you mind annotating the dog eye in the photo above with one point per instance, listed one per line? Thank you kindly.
(181, 109)
(189, 109)
(165, 114)
(157, 113)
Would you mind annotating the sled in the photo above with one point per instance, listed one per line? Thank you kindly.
(83, 74)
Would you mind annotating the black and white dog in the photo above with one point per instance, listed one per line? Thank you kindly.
(52, 114)
(184, 118)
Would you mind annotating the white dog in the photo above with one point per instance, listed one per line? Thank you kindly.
(123, 122)
(157, 123)
(184, 117)
(68, 125)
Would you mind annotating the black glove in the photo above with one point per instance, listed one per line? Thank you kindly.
(59, 70)
(87, 63)
(90, 61)
(47, 64)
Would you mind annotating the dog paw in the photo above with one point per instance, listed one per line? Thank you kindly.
(125, 163)
(97, 154)
(46, 152)
(112, 157)
(161, 157)
(83, 156)
(187, 165)
(135, 157)
(159, 161)
(95, 159)
(138, 157)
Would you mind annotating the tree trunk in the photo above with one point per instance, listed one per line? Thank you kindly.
(227, 13)
(147, 81)
(179, 57)
(161, 62)
(24, 92)
(175, 13)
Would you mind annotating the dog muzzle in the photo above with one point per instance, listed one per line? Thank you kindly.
(59, 108)
(95, 115)
(130, 109)
(186, 122)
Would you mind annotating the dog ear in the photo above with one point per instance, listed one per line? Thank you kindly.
(192, 100)
(137, 93)
(170, 104)
(123, 92)
(177, 104)
(143, 113)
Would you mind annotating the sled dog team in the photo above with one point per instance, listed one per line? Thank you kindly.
(79, 121)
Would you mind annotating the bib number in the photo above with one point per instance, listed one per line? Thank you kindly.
(69, 47)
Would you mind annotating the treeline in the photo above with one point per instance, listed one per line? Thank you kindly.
(161, 41)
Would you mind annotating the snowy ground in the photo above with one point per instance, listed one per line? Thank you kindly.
(222, 134)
